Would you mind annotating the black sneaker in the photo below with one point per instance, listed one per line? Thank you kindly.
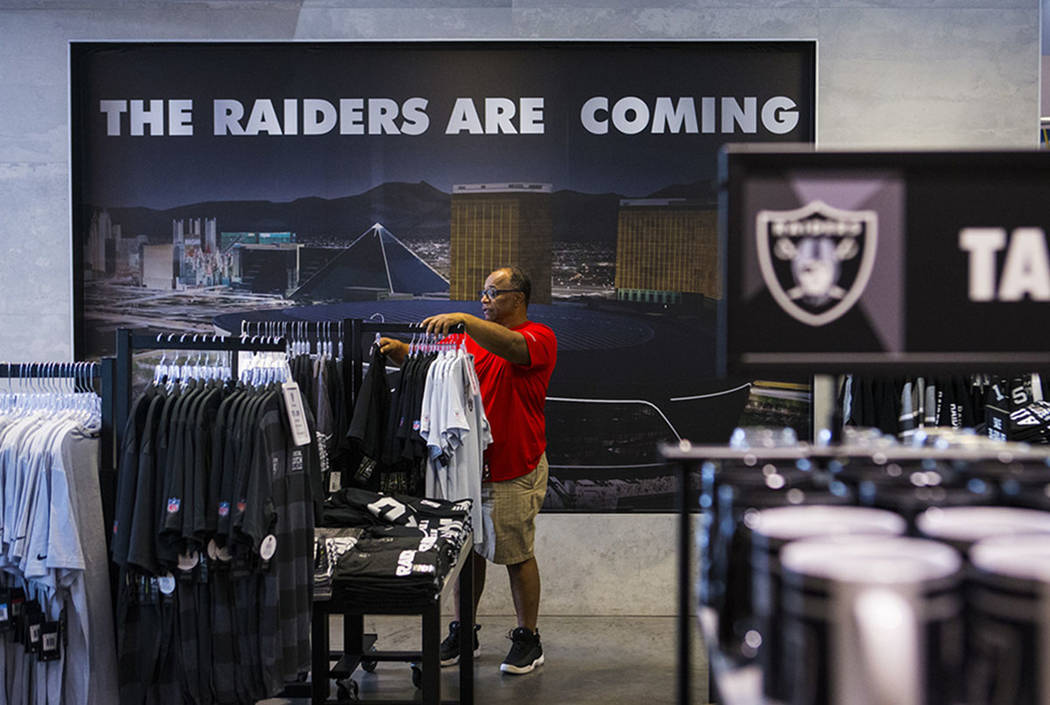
(450, 646)
(525, 654)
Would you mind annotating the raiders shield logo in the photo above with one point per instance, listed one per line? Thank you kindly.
(816, 260)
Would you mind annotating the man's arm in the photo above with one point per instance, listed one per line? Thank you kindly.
(495, 338)
(395, 350)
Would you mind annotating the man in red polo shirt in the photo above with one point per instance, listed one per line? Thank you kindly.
(514, 358)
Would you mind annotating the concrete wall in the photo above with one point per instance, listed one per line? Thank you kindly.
(910, 73)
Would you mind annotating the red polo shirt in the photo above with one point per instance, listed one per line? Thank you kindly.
(514, 398)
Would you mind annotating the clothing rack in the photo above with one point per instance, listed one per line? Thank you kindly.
(102, 370)
(285, 327)
(356, 643)
(355, 329)
(296, 330)
(85, 374)
(129, 342)
(358, 647)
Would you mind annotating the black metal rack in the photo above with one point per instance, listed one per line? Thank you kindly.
(357, 646)
(355, 330)
(129, 342)
(297, 330)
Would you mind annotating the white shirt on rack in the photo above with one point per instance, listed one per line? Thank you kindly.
(456, 433)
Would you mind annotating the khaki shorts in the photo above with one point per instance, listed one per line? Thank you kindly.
(509, 509)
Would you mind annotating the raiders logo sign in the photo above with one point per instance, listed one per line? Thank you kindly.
(816, 260)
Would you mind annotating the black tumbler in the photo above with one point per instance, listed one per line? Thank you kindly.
(870, 621)
(769, 531)
(1009, 610)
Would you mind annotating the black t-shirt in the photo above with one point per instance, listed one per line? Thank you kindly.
(367, 430)
(215, 510)
(398, 558)
(367, 427)
(169, 526)
(415, 446)
(244, 435)
(127, 477)
(195, 524)
(226, 454)
(398, 397)
(142, 547)
(352, 506)
(267, 461)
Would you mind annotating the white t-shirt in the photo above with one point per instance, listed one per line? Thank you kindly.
(456, 434)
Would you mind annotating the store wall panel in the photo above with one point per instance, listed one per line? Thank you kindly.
(671, 22)
(202, 5)
(751, 6)
(1045, 99)
(455, 22)
(925, 4)
(34, 266)
(402, 4)
(909, 77)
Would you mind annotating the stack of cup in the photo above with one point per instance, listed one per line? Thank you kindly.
(1009, 609)
(870, 621)
(738, 491)
(769, 531)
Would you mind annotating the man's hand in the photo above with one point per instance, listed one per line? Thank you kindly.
(442, 323)
(395, 350)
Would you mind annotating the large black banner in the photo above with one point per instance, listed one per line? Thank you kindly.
(218, 183)
(911, 262)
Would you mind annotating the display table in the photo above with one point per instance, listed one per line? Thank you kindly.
(357, 646)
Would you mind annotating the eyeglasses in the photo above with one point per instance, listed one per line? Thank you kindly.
(492, 292)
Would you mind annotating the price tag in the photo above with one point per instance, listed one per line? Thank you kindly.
(293, 403)
(50, 644)
(335, 481)
(219, 554)
(188, 561)
(5, 618)
(18, 599)
(35, 624)
(268, 547)
(17, 609)
(34, 618)
(223, 554)
(166, 583)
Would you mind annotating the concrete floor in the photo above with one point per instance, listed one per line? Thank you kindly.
(606, 660)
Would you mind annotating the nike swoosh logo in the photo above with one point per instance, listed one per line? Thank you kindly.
(41, 557)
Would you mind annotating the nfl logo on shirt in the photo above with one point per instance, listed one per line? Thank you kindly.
(224, 509)
(816, 260)
(173, 505)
